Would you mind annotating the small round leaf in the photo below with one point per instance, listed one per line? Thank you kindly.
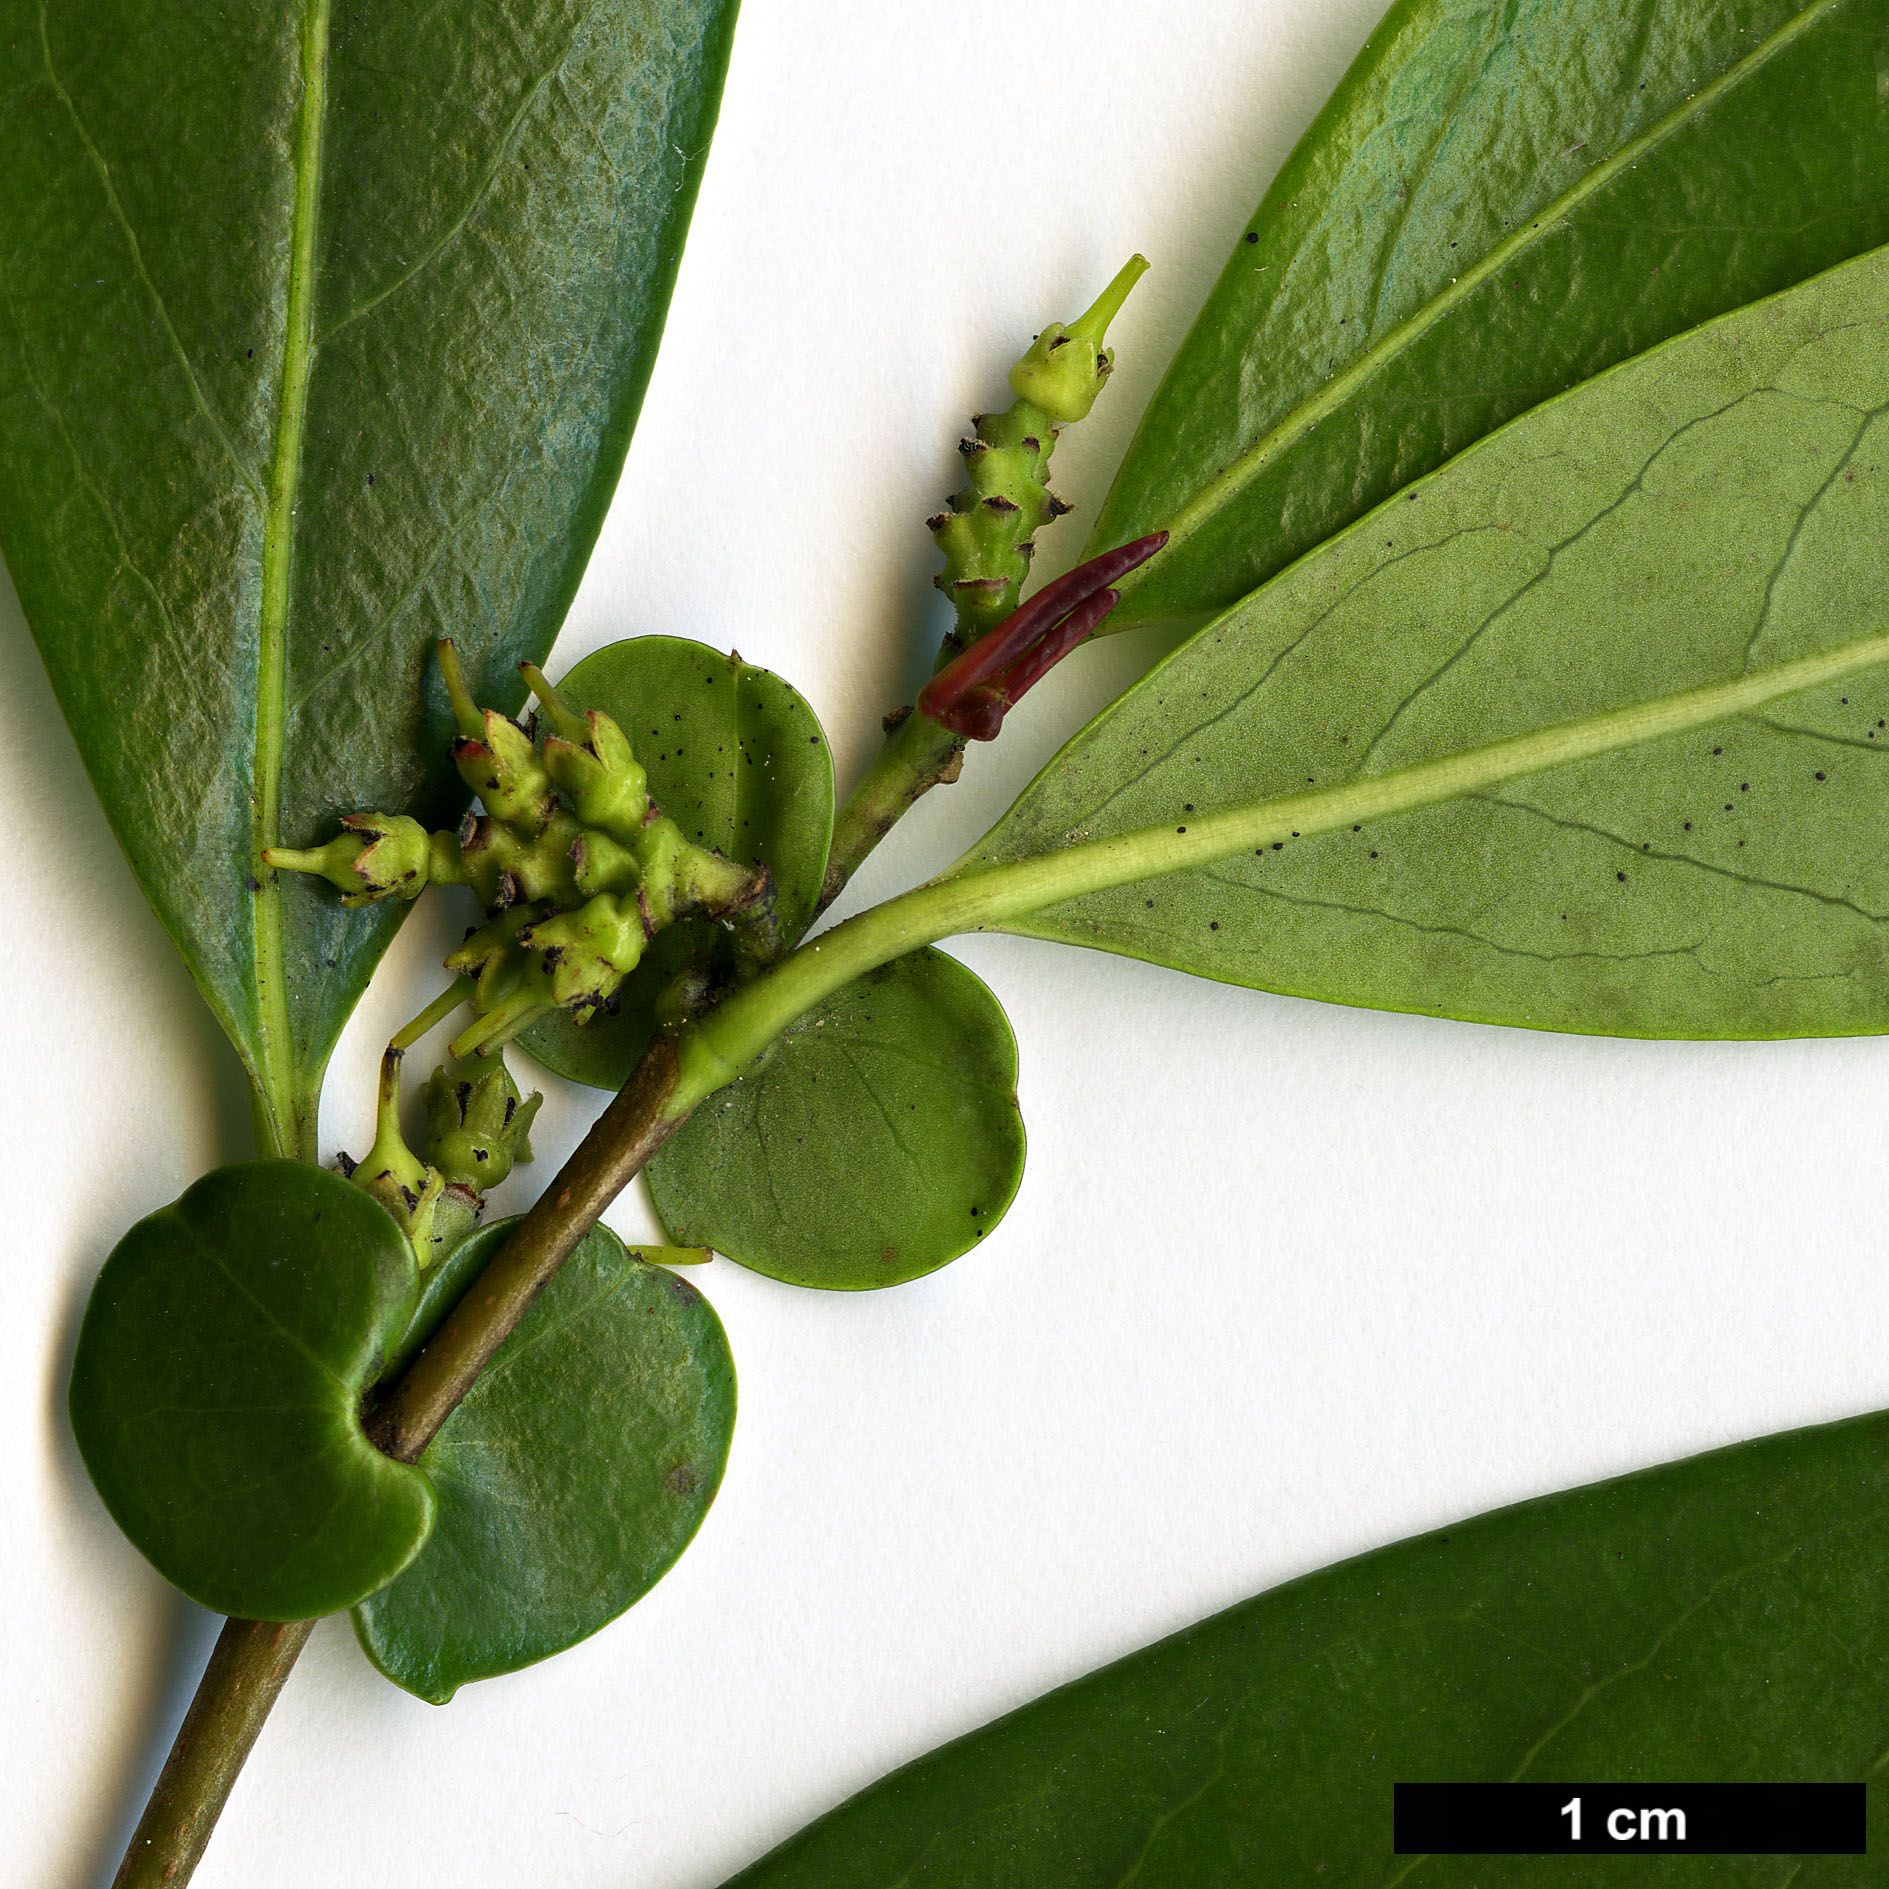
(738, 760)
(216, 1392)
(878, 1139)
(570, 1479)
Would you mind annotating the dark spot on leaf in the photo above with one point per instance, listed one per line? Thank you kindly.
(1621, 876)
(682, 1480)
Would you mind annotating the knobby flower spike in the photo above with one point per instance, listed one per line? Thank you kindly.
(576, 867)
(988, 535)
(972, 694)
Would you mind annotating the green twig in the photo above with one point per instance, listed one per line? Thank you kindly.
(918, 755)
(250, 1661)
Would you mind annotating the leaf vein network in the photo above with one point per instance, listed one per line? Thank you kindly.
(502, 151)
(248, 474)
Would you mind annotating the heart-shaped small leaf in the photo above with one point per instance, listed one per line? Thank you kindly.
(877, 1139)
(218, 1383)
(739, 761)
(1497, 202)
(1716, 1620)
(576, 1471)
(1717, 506)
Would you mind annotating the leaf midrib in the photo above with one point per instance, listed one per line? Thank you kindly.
(982, 893)
(1227, 484)
(276, 1077)
(1015, 890)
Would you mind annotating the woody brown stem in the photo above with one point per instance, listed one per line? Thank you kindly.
(252, 1658)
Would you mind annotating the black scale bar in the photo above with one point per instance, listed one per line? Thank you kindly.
(1630, 1820)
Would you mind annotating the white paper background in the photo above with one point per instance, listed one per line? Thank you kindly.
(1283, 1282)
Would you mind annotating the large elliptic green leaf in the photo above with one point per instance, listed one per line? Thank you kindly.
(1716, 506)
(576, 1471)
(1719, 1619)
(735, 755)
(322, 331)
(1502, 198)
(217, 1389)
(877, 1139)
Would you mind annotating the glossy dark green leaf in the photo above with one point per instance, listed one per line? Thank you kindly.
(215, 1395)
(878, 1138)
(1714, 507)
(1502, 198)
(739, 760)
(576, 1471)
(1718, 1619)
(322, 337)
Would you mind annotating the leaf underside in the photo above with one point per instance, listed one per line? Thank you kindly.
(321, 337)
(1715, 1620)
(879, 1139)
(1716, 506)
(570, 1479)
(1502, 198)
(216, 1392)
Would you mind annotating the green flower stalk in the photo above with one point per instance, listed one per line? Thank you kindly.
(405, 1185)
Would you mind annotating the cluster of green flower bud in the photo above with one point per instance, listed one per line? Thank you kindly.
(478, 1128)
(576, 868)
(988, 534)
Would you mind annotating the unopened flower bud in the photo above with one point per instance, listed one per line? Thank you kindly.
(590, 951)
(1065, 367)
(381, 855)
(601, 777)
(504, 770)
(477, 1123)
(405, 1185)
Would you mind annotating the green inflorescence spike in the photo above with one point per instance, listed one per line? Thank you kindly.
(989, 533)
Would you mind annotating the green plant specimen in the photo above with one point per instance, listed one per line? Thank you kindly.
(1518, 497)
